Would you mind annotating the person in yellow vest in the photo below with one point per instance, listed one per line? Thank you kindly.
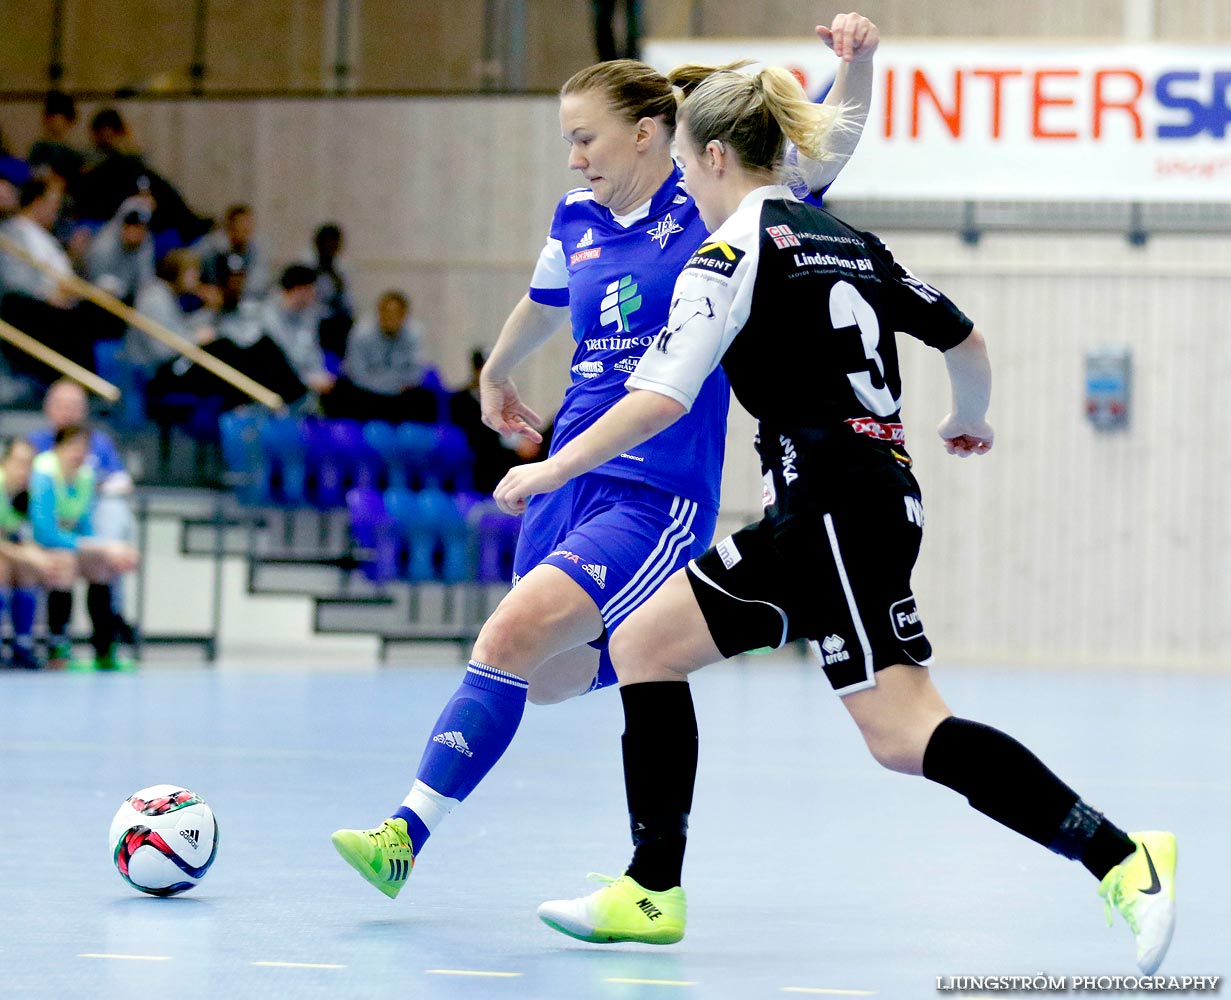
(24, 566)
(62, 493)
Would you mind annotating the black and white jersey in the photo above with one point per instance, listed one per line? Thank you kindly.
(801, 311)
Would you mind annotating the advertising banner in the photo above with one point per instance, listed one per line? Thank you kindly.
(981, 120)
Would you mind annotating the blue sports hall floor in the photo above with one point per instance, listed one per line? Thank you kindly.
(810, 872)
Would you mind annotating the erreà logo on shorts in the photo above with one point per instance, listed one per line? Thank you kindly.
(906, 621)
(834, 650)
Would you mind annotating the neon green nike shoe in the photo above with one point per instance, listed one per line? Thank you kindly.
(383, 856)
(620, 911)
(1142, 888)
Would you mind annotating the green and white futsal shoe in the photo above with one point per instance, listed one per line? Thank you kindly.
(384, 856)
(620, 911)
(1142, 888)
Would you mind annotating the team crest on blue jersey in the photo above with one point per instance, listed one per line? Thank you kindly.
(663, 230)
(716, 257)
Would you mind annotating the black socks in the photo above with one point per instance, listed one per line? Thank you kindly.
(660, 769)
(1005, 781)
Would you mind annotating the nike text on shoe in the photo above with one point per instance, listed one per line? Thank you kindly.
(620, 911)
(384, 856)
(1142, 888)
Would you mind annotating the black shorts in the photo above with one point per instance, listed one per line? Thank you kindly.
(836, 573)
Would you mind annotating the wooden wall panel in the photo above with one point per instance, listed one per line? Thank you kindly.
(25, 43)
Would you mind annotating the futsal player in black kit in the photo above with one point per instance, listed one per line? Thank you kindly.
(801, 310)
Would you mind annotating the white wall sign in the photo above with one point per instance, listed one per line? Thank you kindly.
(1021, 121)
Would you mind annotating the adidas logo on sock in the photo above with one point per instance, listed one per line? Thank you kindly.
(835, 649)
(454, 740)
(649, 909)
(587, 238)
(598, 572)
(191, 836)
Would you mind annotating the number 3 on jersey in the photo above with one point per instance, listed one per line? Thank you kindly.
(848, 308)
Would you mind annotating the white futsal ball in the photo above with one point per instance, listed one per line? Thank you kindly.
(163, 839)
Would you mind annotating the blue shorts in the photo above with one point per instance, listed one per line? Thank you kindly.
(618, 538)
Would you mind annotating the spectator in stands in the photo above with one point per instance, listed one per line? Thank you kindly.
(25, 567)
(65, 405)
(115, 170)
(604, 30)
(381, 375)
(336, 313)
(176, 278)
(236, 238)
(239, 338)
(493, 455)
(120, 260)
(38, 300)
(14, 172)
(291, 319)
(53, 149)
(62, 492)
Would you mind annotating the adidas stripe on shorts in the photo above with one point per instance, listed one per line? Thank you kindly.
(837, 574)
(618, 538)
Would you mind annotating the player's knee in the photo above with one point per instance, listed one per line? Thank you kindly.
(638, 658)
(507, 641)
(894, 749)
(550, 689)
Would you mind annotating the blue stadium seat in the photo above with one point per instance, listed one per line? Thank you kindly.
(372, 531)
(283, 446)
(382, 439)
(241, 455)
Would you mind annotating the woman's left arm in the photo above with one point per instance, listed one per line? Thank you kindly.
(633, 420)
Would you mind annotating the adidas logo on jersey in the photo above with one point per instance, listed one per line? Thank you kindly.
(627, 365)
(454, 740)
(599, 573)
(587, 239)
(192, 836)
(835, 649)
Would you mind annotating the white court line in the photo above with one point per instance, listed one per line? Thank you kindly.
(130, 958)
(828, 992)
(472, 972)
(649, 982)
(298, 965)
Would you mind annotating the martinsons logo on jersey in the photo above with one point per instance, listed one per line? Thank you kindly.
(717, 258)
(621, 301)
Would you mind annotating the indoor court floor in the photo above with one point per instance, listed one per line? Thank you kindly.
(811, 871)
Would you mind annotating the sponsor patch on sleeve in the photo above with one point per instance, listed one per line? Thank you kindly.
(716, 257)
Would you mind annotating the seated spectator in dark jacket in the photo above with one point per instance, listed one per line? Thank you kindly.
(115, 170)
(381, 374)
(239, 339)
(332, 296)
(53, 148)
(291, 319)
(38, 301)
(236, 238)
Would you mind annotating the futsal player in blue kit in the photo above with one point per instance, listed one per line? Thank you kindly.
(591, 554)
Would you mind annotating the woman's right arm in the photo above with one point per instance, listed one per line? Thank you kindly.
(528, 327)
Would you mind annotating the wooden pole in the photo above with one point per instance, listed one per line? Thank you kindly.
(83, 289)
(24, 342)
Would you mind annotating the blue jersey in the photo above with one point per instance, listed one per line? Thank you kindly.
(616, 274)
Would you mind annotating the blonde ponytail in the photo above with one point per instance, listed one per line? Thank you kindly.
(756, 115)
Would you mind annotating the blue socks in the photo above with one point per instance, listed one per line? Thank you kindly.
(24, 606)
(472, 733)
